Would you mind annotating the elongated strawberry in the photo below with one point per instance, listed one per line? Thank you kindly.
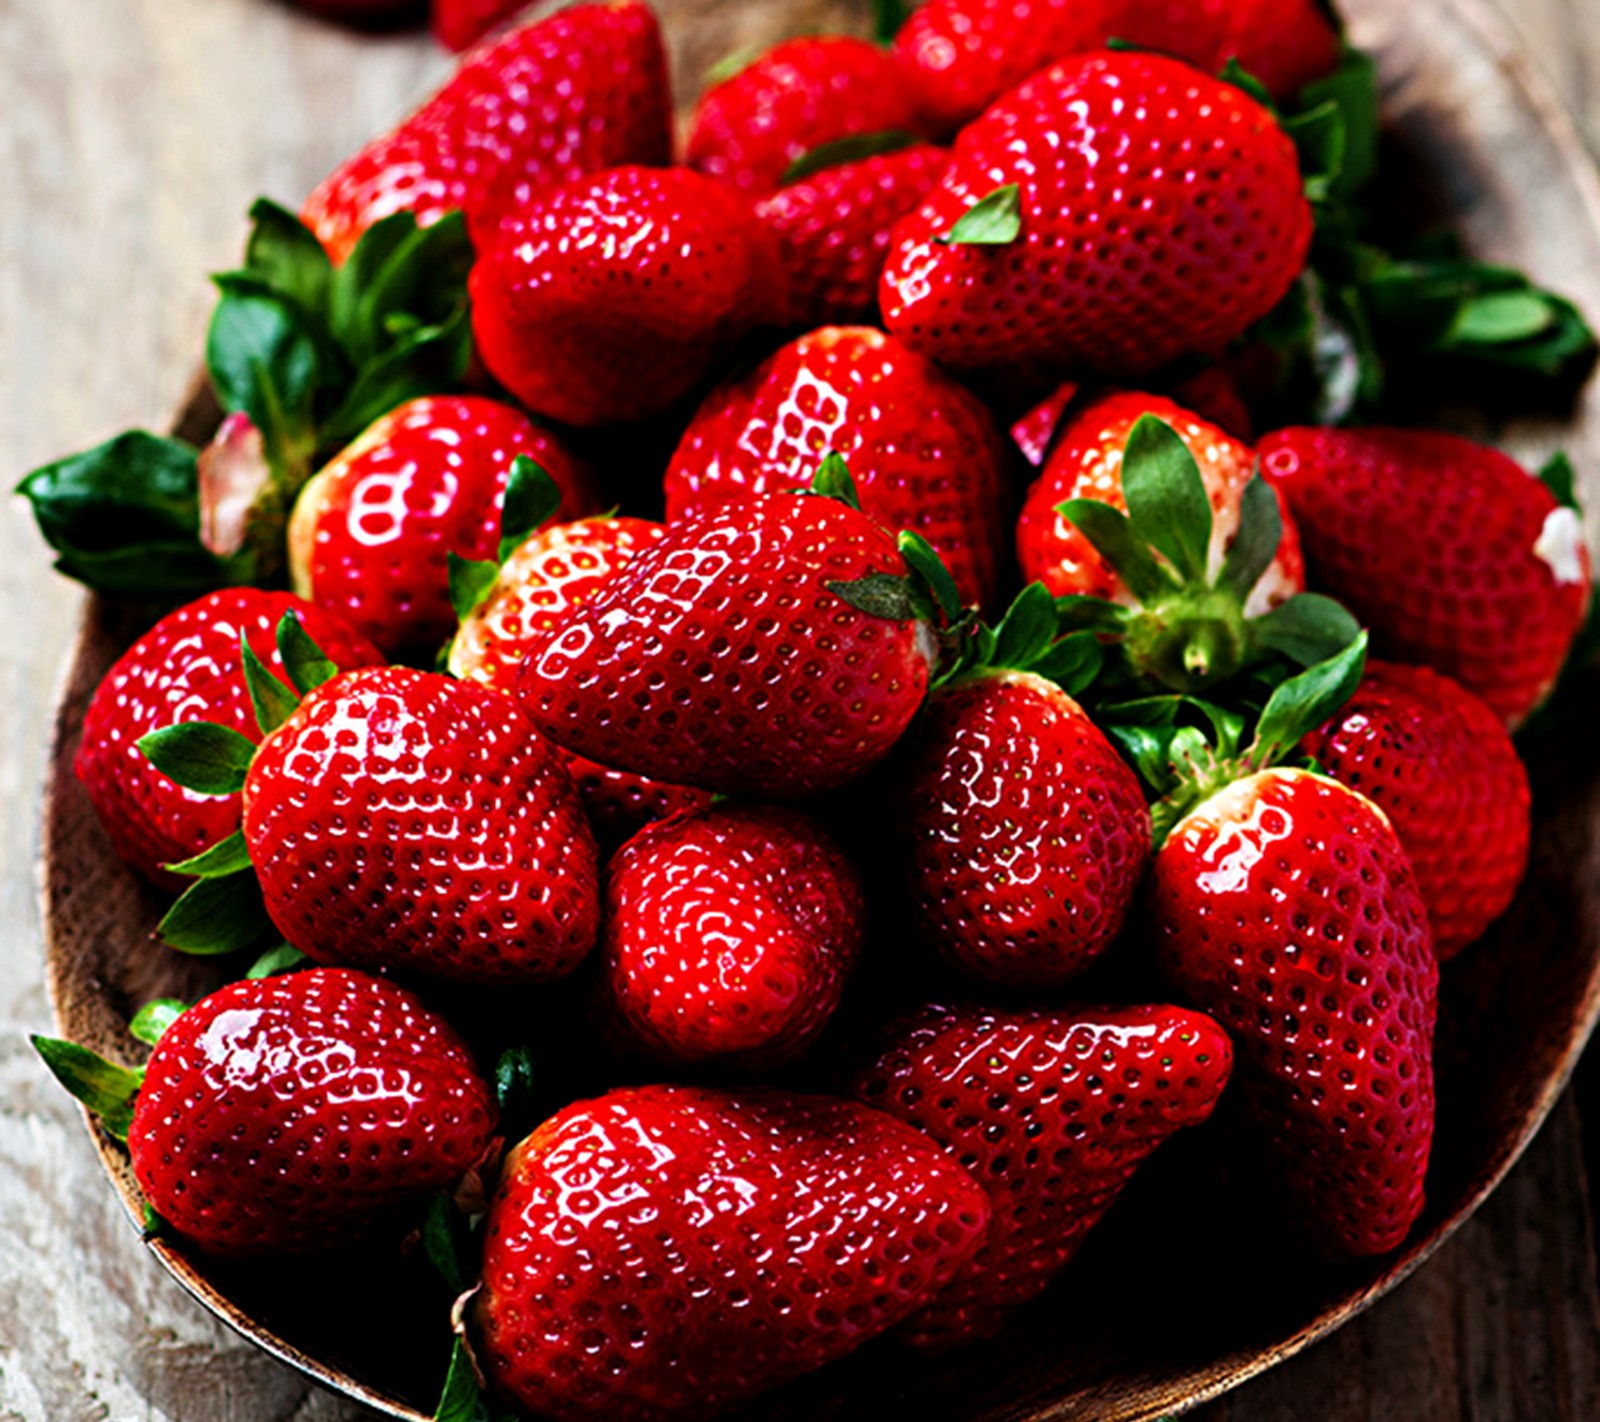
(1113, 213)
(929, 454)
(400, 819)
(964, 54)
(186, 668)
(833, 227)
(610, 299)
(664, 1252)
(796, 97)
(728, 655)
(1439, 763)
(1052, 1111)
(372, 532)
(1454, 555)
(291, 1114)
(729, 934)
(1283, 904)
(582, 90)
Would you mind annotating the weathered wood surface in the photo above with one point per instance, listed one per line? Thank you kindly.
(132, 136)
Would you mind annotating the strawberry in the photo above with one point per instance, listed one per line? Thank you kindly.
(1452, 554)
(1037, 253)
(1282, 903)
(730, 655)
(930, 455)
(1027, 834)
(1440, 764)
(832, 228)
(728, 935)
(459, 24)
(964, 54)
(667, 1252)
(186, 668)
(796, 97)
(582, 90)
(403, 820)
(548, 574)
(291, 1114)
(1052, 1111)
(611, 298)
(372, 531)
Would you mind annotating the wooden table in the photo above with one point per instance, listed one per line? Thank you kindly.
(132, 136)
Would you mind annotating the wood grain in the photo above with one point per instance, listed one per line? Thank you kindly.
(134, 136)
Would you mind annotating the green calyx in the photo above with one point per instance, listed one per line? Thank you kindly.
(992, 221)
(104, 1087)
(854, 149)
(1189, 632)
(303, 356)
(531, 500)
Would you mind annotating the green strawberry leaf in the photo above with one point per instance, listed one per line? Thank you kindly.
(226, 856)
(462, 1400)
(286, 255)
(471, 582)
(531, 500)
(1318, 135)
(880, 595)
(124, 519)
(516, 1089)
(1559, 477)
(1167, 503)
(400, 277)
(200, 756)
(1237, 75)
(1353, 90)
(929, 569)
(441, 1224)
(1027, 630)
(152, 1225)
(1308, 629)
(1256, 543)
(1073, 663)
(993, 221)
(216, 916)
(832, 480)
(1305, 702)
(736, 61)
(888, 16)
(104, 1087)
(1111, 532)
(1078, 612)
(272, 701)
(279, 959)
(853, 149)
(153, 1019)
(306, 663)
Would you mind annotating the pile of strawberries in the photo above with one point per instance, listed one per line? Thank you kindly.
(950, 636)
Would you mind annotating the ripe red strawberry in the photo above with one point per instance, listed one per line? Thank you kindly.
(1027, 833)
(1440, 764)
(1138, 211)
(582, 90)
(287, 1114)
(611, 298)
(406, 821)
(1086, 462)
(1452, 554)
(186, 668)
(833, 230)
(928, 453)
(795, 98)
(964, 54)
(667, 1252)
(727, 656)
(1052, 1111)
(1284, 906)
(728, 935)
(459, 24)
(550, 573)
(371, 531)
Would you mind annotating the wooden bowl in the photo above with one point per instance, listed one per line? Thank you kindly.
(1189, 1288)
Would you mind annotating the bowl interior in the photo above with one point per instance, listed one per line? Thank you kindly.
(1491, 154)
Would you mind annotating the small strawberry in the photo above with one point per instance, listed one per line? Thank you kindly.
(611, 298)
(460, 24)
(736, 654)
(1454, 555)
(291, 1114)
(964, 54)
(833, 225)
(666, 1252)
(796, 97)
(1440, 764)
(403, 820)
(1052, 1111)
(728, 935)
(582, 90)
(1114, 213)
(372, 531)
(1283, 904)
(930, 455)
(186, 668)
(1027, 833)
